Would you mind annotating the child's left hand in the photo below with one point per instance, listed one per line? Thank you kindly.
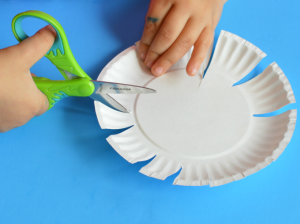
(172, 27)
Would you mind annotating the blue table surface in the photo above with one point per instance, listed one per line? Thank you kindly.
(59, 168)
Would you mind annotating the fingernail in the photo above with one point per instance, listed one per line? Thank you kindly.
(158, 70)
(142, 55)
(194, 71)
(149, 64)
(49, 27)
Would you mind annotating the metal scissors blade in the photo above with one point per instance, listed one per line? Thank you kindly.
(119, 88)
(103, 88)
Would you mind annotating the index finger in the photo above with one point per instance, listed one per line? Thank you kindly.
(154, 18)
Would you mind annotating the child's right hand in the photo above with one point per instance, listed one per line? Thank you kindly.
(20, 99)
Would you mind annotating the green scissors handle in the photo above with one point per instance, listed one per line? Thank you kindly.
(77, 82)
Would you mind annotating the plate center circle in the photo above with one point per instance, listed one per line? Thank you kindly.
(183, 118)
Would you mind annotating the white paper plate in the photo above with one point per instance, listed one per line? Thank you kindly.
(206, 129)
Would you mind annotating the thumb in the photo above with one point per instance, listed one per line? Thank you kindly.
(35, 47)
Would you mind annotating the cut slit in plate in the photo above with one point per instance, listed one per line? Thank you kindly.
(208, 130)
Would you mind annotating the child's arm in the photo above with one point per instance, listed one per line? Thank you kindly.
(172, 27)
(20, 99)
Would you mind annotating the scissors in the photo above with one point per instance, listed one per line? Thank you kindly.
(77, 82)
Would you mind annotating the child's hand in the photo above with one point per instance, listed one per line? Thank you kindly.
(172, 27)
(20, 99)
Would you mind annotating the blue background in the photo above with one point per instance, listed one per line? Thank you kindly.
(59, 168)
